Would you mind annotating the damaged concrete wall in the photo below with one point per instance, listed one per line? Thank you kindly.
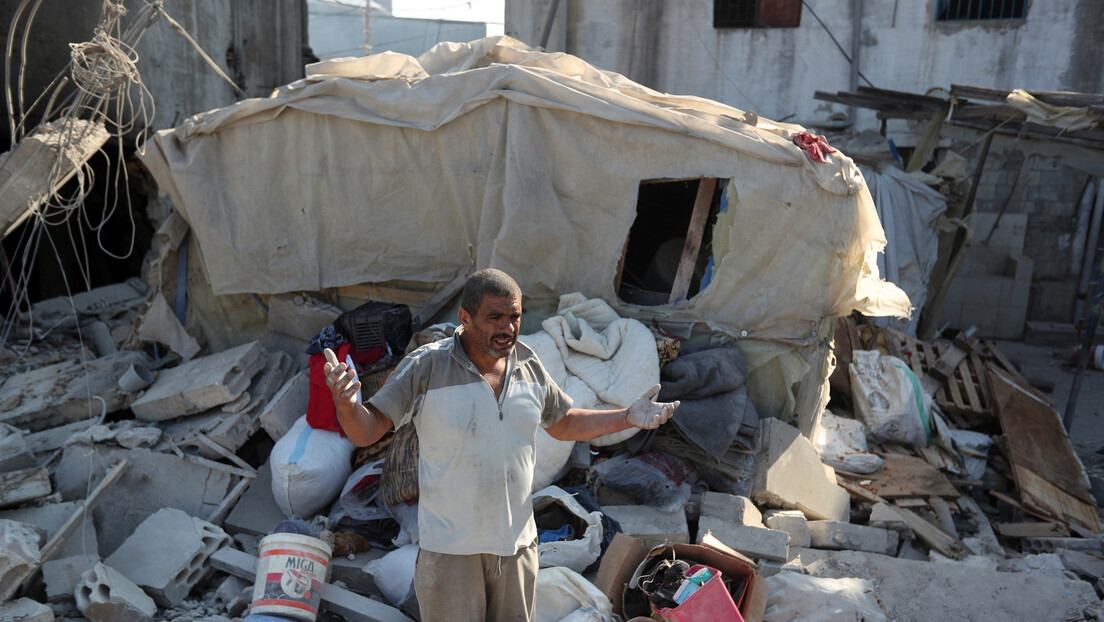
(674, 48)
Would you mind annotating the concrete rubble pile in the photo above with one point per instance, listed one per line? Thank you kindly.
(149, 500)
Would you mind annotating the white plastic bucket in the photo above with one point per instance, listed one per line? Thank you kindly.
(291, 570)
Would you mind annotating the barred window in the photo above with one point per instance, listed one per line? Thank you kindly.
(965, 10)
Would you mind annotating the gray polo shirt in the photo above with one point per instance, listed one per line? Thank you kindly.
(475, 469)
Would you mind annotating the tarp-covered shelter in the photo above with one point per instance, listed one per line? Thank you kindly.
(493, 154)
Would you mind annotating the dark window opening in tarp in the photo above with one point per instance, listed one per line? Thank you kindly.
(964, 10)
(756, 13)
(670, 242)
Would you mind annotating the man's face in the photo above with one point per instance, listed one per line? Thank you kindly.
(494, 327)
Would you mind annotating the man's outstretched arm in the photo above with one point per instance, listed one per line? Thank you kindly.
(363, 424)
(580, 424)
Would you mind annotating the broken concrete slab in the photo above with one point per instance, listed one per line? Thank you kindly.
(166, 555)
(827, 534)
(26, 610)
(1043, 564)
(732, 508)
(789, 474)
(53, 439)
(293, 319)
(201, 383)
(755, 542)
(289, 403)
(15, 453)
(256, 513)
(24, 485)
(51, 517)
(883, 516)
(1085, 565)
(159, 323)
(153, 481)
(62, 576)
(19, 555)
(66, 392)
(105, 595)
(792, 522)
(649, 525)
(954, 591)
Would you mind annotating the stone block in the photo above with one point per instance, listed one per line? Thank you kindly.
(256, 512)
(152, 481)
(62, 576)
(731, 508)
(15, 454)
(755, 542)
(19, 554)
(792, 522)
(201, 383)
(882, 516)
(26, 610)
(167, 554)
(105, 595)
(828, 534)
(649, 525)
(789, 475)
(51, 517)
(289, 403)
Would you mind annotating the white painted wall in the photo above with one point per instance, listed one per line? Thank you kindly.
(672, 46)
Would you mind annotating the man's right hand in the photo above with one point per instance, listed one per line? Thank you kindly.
(342, 381)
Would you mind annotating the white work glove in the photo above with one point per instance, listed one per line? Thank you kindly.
(343, 381)
(649, 415)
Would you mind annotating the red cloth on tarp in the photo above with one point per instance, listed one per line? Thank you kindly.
(321, 412)
(814, 144)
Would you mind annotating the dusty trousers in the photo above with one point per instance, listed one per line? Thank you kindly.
(474, 588)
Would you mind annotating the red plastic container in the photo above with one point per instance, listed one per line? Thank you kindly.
(711, 603)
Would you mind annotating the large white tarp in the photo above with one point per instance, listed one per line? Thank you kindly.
(490, 153)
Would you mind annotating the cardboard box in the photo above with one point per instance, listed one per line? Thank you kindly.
(625, 560)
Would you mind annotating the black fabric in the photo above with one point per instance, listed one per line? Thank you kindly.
(610, 527)
(715, 413)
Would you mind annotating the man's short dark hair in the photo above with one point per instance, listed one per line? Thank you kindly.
(488, 281)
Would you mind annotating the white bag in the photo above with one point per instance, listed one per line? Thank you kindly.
(565, 596)
(889, 400)
(309, 467)
(841, 443)
(394, 574)
(574, 554)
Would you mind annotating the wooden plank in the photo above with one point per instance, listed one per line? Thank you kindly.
(982, 383)
(1011, 371)
(1033, 530)
(23, 485)
(223, 509)
(384, 293)
(441, 298)
(693, 242)
(974, 404)
(1038, 493)
(909, 476)
(933, 536)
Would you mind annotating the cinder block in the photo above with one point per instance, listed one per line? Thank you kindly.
(789, 474)
(105, 595)
(731, 508)
(792, 522)
(649, 525)
(19, 553)
(201, 383)
(26, 610)
(755, 542)
(289, 403)
(838, 535)
(62, 576)
(167, 554)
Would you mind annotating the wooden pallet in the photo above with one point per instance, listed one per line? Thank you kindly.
(966, 392)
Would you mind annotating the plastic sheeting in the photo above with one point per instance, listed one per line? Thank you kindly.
(394, 168)
(909, 211)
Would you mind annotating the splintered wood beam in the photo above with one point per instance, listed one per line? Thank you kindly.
(693, 242)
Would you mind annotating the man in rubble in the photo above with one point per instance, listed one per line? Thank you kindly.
(476, 400)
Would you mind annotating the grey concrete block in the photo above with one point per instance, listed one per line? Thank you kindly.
(837, 535)
(1053, 545)
(755, 542)
(651, 526)
(256, 512)
(792, 522)
(152, 481)
(789, 474)
(62, 576)
(15, 453)
(1085, 565)
(201, 383)
(105, 595)
(167, 554)
(731, 507)
(26, 610)
(289, 403)
(883, 516)
(19, 554)
(51, 517)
